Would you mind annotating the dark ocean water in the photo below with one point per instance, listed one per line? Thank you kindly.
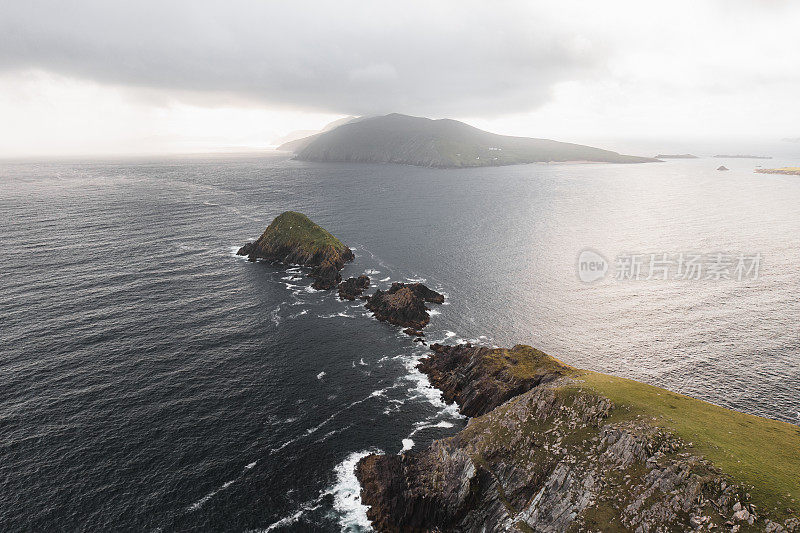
(151, 380)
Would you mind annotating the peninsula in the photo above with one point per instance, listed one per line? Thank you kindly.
(293, 239)
(443, 143)
(792, 171)
(552, 448)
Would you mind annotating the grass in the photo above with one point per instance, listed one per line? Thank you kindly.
(524, 362)
(752, 450)
(298, 230)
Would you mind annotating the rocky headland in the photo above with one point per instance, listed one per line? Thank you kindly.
(403, 304)
(551, 448)
(293, 239)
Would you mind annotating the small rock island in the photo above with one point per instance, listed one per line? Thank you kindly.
(293, 239)
(403, 304)
(552, 448)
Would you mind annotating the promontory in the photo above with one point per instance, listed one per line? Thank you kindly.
(551, 449)
(293, 239)
(442, 143)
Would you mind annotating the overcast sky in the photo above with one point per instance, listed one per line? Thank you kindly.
(83, 77)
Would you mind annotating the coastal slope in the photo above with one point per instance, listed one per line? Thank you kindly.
(443, 143)
(293, 239)
(553, 448)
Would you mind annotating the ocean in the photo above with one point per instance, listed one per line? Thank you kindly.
(154, 381)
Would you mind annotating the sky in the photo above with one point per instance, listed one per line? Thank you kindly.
(121, 77)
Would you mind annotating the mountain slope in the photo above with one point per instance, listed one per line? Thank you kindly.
(441, 143)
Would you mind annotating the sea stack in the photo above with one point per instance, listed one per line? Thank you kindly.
(404, 305)
(293, 239)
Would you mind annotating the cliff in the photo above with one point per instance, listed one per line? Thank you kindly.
(293, 239)
(574, 450)
(441, 143)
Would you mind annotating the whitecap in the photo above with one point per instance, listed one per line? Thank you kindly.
(346, 492)
(449, 334)
(251, 465)
(293, 518)
(199, 503)
(416, 280)
(407, 445)
(372, 272)
(361, 362)
(320, 375)
(387, 278)
(434, 312)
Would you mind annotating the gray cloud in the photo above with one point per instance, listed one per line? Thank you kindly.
(437, 58)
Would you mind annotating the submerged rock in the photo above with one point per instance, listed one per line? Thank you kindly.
(350, 288)
(404, 305)
(293, 239)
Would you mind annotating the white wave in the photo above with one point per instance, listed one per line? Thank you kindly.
(293, 518)
(416, 280)
(251, 465)
(407, 445)
(372, 272)
(199, 503)
(301, 313)
(361, 362)
(276, 319)
(434, 312)
(346, 492)
(320, 375)
(310, 289)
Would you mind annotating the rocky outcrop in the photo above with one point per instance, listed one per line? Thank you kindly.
(723, 167)
(404, 305)
(558, 457)
(479, 378)
(351, 288)
(293, 239)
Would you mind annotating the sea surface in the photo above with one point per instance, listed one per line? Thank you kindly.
(153, 381)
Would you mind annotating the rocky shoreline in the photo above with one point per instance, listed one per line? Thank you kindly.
(544, 452)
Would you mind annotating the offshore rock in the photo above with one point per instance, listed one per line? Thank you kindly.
(350, 288)
(293, 239)
(404, 305)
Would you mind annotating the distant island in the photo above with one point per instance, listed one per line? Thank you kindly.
(792, 171)
(791, 140)
(676, 156)
(744, 156)
(443, 143)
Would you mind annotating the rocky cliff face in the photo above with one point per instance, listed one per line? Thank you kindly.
(404, 305)
(557, 457)
(293, 239)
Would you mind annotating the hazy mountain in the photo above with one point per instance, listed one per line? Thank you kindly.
(441, 143)
(293, 142)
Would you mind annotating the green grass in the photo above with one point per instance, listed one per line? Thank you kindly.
(297, 229)
(523, 362)
(752, 450)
